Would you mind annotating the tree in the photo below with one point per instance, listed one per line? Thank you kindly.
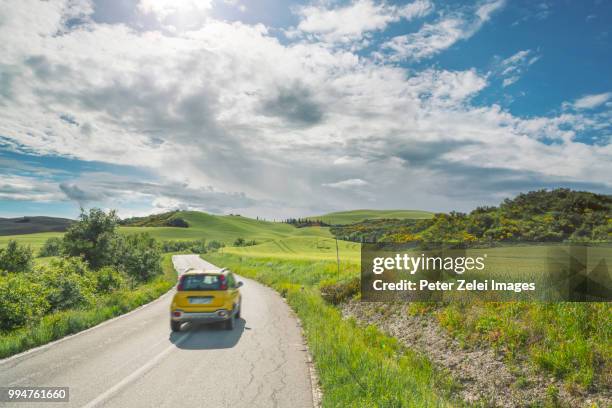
(51, 247)
(68, 283)
(138, 256)
(21, 301)
(16, 258)
(92, 237)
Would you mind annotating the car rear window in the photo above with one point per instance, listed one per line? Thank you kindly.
(201, 282)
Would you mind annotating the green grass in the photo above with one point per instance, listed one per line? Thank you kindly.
(357, 367)
(35, 241)
(226, 228)
(301, 247)
(571, 341)
(350, 217)
(222, 228)
(60, 324)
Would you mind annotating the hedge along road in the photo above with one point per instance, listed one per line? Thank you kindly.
(135, 361)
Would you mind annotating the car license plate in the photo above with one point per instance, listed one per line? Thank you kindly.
(200, 300)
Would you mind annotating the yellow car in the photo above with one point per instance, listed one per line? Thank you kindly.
(206, 297)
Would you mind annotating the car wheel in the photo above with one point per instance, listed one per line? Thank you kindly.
(229, 323)
(238, 312)
(175, 326)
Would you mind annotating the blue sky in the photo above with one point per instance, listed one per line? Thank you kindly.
(272, 108)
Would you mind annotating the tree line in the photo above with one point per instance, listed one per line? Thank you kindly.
(539, 216)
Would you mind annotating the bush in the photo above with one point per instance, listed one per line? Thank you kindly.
(177, 222)
(16, 258)
(214, 245)
(108, 280)
(51, 247)
(92, 238)
(240, 242)
(138, 256)
(21, 301)
(339, 292)
(68, 283)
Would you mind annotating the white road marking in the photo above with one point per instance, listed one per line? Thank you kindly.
(134, 375)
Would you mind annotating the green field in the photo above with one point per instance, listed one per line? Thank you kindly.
(35, 241)
(350, 217)
(569, 341)
(224, 228)
(313, 248)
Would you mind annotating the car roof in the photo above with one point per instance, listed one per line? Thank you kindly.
(206, 271)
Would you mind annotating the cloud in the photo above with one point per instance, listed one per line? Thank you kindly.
(435, 37)
(294, 104)
(75, 193)
(109, 189)
(177, 15)
(20, 188)
(226, 116)
(512, 68)
(347, 184)
(349, 23)
(592, 101)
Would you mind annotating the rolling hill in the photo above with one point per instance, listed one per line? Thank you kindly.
(33, 225)
(350, 217)
(224, 228)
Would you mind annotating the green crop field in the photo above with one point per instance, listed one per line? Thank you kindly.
(302, 247)
(350, 217)
(35, 241)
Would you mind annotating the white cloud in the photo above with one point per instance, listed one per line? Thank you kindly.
(226, 117)
(351, 22)
(348, 184)
(512, 68)
(435, 37)
(177, 14)
(592, 101)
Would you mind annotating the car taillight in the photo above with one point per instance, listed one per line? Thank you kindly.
(180, 283)
(177, 313)
(223, 282)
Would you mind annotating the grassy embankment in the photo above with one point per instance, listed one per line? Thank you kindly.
(59, 324)
(571, 341)
(357, 366)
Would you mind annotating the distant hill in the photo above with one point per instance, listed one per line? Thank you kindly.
(350, 217)
(224, 228)
(32, 225)
(167, 219)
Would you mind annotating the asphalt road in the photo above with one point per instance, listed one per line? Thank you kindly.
(135, 361)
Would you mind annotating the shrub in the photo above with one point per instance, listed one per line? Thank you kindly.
(138, 256)
(51, 247)
(16, 258)
(197, 246)
(177, 222)
(108, 280)
(68, 283)
(21, 301)
(214, 245)
(240, 242)
(92, 238)
(338, 292)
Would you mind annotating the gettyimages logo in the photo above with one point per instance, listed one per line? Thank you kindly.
(527, 272)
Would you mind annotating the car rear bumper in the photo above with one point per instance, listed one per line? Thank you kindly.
(216, 316)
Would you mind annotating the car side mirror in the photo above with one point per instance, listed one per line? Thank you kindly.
(239, 284)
